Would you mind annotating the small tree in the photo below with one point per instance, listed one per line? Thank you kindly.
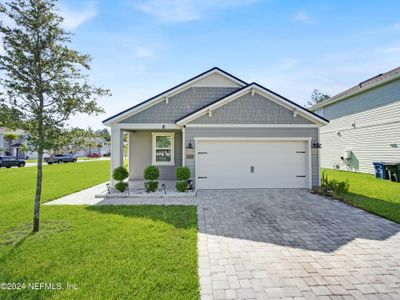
(10, 137)
(99, 146)
(106, 137)
(44, 78)
(90, 145)
(120, 174)
(24, 148)
(151, 173)
(317, 97)
(182, 176)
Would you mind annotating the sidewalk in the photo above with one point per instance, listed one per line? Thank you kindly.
(84, 197)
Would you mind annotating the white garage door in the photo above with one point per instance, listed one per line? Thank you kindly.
(229, 164)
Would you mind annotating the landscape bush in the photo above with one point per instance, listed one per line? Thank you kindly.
(121, 186)
(151, 173)
(334, 187)
(182, 176)
(120, 174)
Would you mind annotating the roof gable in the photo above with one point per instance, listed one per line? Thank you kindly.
(251, 109)
(214, 76)
(252, 89)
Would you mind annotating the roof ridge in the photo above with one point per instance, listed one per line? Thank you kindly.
(361, 85)
(175, 87)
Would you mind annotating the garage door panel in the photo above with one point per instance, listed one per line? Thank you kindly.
(251, 164)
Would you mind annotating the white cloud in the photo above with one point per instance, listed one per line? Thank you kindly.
(303, 17)
(186, 10)
(143, 52)
(288, 63)
(73, 18)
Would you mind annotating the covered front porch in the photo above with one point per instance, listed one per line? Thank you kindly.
(160, 145)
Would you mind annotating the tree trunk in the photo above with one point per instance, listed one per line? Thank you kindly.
(38, 195)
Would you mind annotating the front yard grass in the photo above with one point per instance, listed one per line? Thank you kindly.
(108, 252)
(381, 197)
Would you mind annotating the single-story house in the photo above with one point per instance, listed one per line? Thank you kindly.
(364, 124)
(231, 134)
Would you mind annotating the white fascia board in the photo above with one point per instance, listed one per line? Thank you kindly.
(288, 139)
(371, 86)
(252, 125)
(169, 93)
(260, 91)
(144, 126)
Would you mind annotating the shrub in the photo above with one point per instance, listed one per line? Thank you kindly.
(182, 176)
(181, 186)
(151, 173)
(121, 186)
(151, 186)
(336, 187)
(182, 173)
(120, 174)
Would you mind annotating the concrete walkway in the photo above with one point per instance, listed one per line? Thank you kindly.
(84, 197)
(33, 164)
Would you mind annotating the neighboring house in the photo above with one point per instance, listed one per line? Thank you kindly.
(230, 134)
(104, 149)
(15, 145)
(364, 124)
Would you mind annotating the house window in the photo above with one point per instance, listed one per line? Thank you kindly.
(163, 149)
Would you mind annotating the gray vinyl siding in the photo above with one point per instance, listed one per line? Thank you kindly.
(140, 155)
(249, 109)
(180, 105)
(373, 98)
(191, 133)
(372, 135)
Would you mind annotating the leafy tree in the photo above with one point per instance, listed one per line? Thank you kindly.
(78, 138)
(106, 136)
(44, 78)
(24, 148)
(9, 117)
(317, 97)
(90, 144)
(10, 137)
(99, 146)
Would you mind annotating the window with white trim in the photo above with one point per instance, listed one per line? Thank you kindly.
(163, 148)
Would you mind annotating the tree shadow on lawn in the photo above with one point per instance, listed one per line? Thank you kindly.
(292, 218)
(180, 216)
(16, 236)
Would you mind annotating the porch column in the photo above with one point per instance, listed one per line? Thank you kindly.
(117, 149)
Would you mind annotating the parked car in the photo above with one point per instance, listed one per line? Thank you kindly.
(59, 159)
(10, 161)
(94, 155)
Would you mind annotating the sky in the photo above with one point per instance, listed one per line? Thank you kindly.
(141, 48)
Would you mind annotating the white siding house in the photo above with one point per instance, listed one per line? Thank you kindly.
(364, 124)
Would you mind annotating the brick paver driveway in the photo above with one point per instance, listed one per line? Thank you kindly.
(265, 244)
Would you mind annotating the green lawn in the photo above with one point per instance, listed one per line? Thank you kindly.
(108, 252)
(381, 197)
